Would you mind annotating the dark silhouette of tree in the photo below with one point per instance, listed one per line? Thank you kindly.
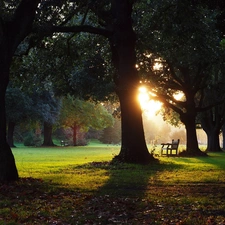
(13, 30)
(213, 119)
(186, 51)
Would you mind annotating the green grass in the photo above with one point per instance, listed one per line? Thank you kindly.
(58, 164)
(79, 185)
(62, 165)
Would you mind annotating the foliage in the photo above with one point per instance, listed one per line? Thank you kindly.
(77, 64)
(112, 135)
(186, 61)
(32, 139)
(40, 105)
(84, 114)
(170, 116)
(92, 75)
(18, 105)
(188, 56)
(43, 66)
(29, 139)
(45, 106)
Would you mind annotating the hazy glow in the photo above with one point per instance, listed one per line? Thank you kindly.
(149, 106)
(178, 95)
(157, 66)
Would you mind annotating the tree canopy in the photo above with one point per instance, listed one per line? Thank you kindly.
(185, 52)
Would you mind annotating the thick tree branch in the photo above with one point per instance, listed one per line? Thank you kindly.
(72, 36)
(200, 78)
(82, 28)
(173, 74)
(22, 22)
(166, 101)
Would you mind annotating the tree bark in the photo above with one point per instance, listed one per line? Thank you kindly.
(48, 135)
(11, 127)
(223, 133)
(188, 119)
(192, 148)
(133, 146)
(210, 122)
(213, 144)
(75, 135)
(11, 35)
(8, 170)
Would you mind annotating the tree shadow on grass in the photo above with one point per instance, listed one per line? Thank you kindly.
(122, 197)
(131, 180)
(134, 195)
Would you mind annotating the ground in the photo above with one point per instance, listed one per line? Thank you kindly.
(33, 201)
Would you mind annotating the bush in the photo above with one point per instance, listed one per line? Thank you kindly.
(32, 140)
(29, 140)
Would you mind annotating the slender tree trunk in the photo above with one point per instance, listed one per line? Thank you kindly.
(75, 135)
(223, 133)
(48, 135)
(133, 148)
(11, 128)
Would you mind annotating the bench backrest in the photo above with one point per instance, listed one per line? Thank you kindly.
(175, 144)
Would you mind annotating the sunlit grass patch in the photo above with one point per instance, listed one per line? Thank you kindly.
(200, 169)
(31, 161)
(61, 165)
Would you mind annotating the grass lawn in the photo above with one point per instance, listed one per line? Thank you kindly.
(79, 185)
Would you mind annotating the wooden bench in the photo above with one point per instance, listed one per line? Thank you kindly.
(170, 149)
(64, 143)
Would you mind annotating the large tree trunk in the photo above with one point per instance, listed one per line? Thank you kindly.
(192, 148)
(133, 148)
(11, 128)
(48, 135)
(213, 141)
(210, 122)
(8, 170)
(11, 34)
(192, 141)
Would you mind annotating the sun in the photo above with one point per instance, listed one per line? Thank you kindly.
(149, 106)
(178, 95)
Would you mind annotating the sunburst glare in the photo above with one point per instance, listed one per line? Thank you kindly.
(149, 106)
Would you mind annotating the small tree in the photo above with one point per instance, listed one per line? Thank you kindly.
(83, 115)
